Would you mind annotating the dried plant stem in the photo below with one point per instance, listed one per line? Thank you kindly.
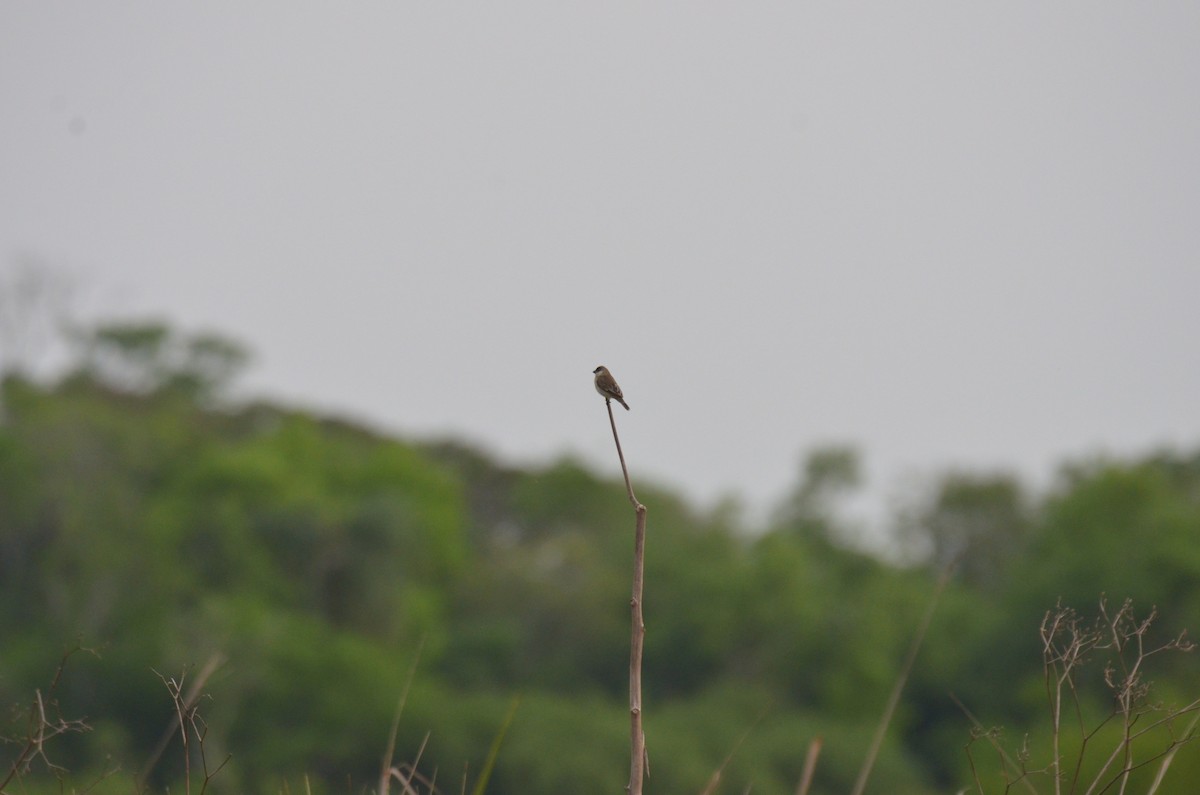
(621, 455)
(978, 731)
(1169, 757)
(385, 772)
(894, 699)
(810, 765)
(711, 787)
(638, 763)
(43, 728)
(184, 705)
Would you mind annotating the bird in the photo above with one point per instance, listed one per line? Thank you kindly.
(606, 385)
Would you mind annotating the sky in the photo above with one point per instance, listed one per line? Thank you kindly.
(952, 235)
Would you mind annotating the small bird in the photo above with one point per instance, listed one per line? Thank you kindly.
(607, 385)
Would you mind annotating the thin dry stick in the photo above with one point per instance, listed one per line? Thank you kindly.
(715, 779)
(193, 695)
(1170, 757)
(385, 773)
(810, 765)
(638, 763)
(1005, 757)
(406, 780)
(898, 688)
(42, 729)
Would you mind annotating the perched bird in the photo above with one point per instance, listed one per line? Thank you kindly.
(607, 385)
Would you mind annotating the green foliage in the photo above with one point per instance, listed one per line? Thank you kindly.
(140, 517)
(361, 533)
(977, 524)
(1129, 528)
(826, 475)
(149, 356)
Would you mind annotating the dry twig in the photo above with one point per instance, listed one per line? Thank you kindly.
(387, 770)
(45, 723)
(1116, 643)
(638, 759)
(901, 679)
(810, 765)
(184, 704)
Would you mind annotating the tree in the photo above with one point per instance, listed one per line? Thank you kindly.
(978, 523)
(1124, 529)
(827, 475)
(35, 311)
(144, 357)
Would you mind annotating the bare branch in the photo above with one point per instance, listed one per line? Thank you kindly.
(638, 757)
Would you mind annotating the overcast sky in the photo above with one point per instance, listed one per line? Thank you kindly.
(952, 234)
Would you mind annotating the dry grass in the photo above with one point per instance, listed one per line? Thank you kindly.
(639, 760)
(45, 723)
(1115, 649)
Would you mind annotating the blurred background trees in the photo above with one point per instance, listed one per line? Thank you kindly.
(145, 517)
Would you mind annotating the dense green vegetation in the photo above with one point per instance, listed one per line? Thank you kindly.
(144, 519)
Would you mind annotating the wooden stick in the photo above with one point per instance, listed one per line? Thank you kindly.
(638, 766)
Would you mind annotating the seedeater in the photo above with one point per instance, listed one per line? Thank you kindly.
(606, 385)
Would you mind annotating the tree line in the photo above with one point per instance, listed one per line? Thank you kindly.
(149, 520)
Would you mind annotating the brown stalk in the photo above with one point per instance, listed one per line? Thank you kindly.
(715, 779)
(638, 761)
(385, 773)
(901, 679)
(185, 706)
(42, 728)
(810, 765)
